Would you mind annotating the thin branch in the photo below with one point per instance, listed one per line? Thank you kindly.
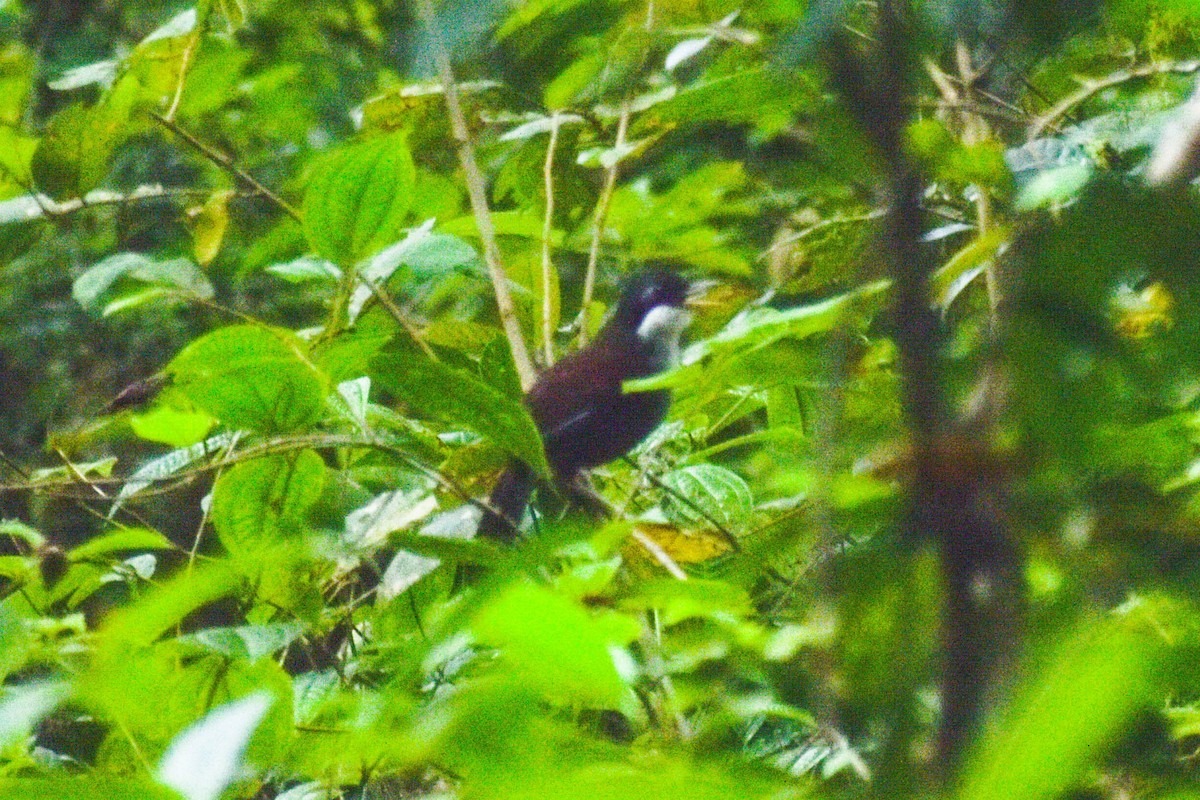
(35, 205)
(1092, 86)
(225, 457)
(476, 188)
(963, 106)
(547, 230)
(975, 131)
(598, 220)
(397, 314)
(226, 163)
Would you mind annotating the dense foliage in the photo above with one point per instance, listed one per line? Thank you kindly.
(924, 519)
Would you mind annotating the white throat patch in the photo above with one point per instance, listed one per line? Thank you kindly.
(662, 327)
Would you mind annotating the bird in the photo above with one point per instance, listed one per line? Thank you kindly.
(584, 418)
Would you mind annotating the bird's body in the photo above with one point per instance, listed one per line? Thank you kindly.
(584, 417)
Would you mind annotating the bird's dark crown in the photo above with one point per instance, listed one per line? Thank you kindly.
(648, 289)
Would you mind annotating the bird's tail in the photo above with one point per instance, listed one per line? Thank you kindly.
(508, 501)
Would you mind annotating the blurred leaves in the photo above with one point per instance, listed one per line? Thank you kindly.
(246, 575)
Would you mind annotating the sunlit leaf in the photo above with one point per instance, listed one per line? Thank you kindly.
(172, 427)
(552, 644)
(358, 198)
(1066, 715)
(259, 502)
(83, 788)
(122, 539)
(207, 757)
(251, 377)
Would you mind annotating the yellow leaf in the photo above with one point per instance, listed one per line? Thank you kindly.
(208, 223)
(652, 541)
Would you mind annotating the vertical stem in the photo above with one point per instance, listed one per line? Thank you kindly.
(203, 12)
(547, 230)
(598, 219)
(976, 130)
(476, 189)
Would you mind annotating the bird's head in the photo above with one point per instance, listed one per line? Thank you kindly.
(652, 305)
(651, 311)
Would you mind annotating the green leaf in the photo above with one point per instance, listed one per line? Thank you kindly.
(248, 642)
(306, 269)
(16, 154)
(704, 492)
(136, 271)
(1066, 717)
(426, 255)
(74, 154)
(455, 397)
(171, 427)
(259, 502)
(253, 377)
(90, 788)
(761, 327)
(142, 623)
(523, 224)
(99, 72)
(682, 600)
(207, 757)
(554, 645)
(358, 199)
(1053, 187)
(123, 539)
(969, 262)
(19, 531)
(165, 466)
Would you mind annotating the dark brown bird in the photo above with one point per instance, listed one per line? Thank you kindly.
(584, 417)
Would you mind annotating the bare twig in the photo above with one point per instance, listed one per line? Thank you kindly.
(397, 314)
(1092, 86)
(547, 230)
(83, 480)
(225, 457)
(975, 131)
(476, 189)
(598, 220)
(226, 163)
